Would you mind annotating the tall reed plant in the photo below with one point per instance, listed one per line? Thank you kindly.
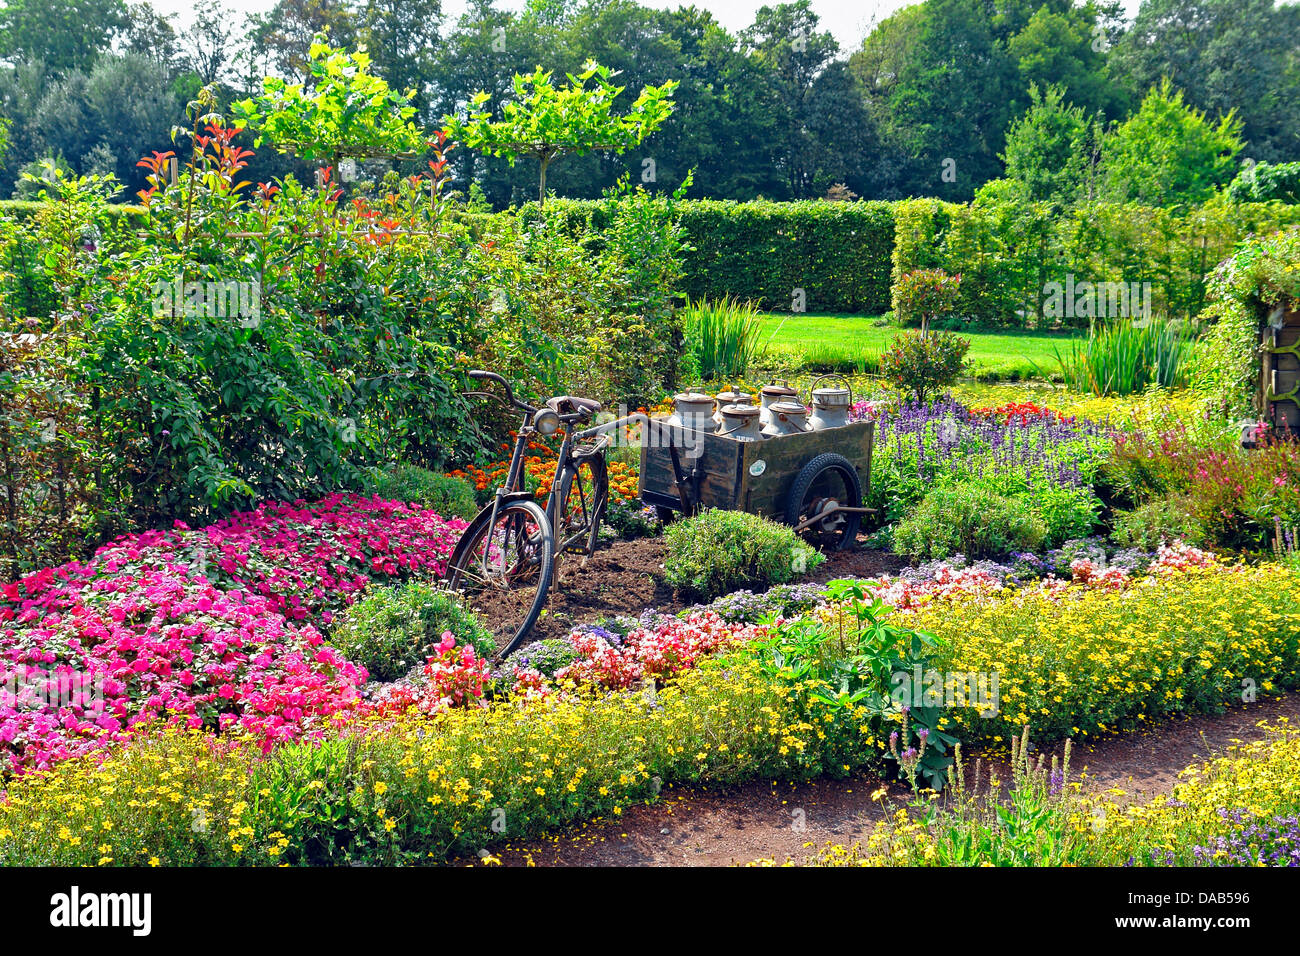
(1127, 356)
(723, 336)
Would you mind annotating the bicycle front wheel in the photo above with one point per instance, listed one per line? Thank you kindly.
(503, 568)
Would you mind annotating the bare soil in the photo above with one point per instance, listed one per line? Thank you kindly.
(626, 577)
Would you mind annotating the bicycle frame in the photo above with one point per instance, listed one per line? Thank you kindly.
(511, 489)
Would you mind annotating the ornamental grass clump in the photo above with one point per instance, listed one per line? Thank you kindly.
(720, 551)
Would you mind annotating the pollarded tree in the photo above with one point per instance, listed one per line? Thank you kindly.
(346, 112)
(544, 121)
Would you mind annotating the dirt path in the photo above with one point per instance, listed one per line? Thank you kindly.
(779, 820)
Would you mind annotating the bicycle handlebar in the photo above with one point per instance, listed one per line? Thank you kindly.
(479, 373)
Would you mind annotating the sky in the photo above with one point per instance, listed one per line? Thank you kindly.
(848, 20)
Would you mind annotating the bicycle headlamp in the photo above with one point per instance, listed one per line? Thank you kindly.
(546, 422)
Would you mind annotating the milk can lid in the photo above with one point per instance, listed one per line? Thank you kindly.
(789, 408)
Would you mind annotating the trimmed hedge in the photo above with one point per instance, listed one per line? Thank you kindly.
(838, 253)
(1007, 252)
(22, 209)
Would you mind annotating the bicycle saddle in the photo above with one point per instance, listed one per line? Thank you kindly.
(572, 405)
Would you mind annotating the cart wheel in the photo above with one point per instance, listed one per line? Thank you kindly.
(822, 484)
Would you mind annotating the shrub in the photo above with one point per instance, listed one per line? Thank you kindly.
(925, 295)
(448, 495)
(921, 364)
(392, 629)
(720, 551)
(1157, 522)
(546, 656)
(964, 518)
(1066, 513)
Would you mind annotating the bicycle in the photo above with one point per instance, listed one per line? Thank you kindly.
(505, 561)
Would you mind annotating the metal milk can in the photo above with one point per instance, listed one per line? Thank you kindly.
(788, 418)
(732, 396)
(694, 410)
(830, 406)
(741, 422)
(770, 394)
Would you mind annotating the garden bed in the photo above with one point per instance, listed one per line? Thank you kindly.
(623, 577)
(721, 827)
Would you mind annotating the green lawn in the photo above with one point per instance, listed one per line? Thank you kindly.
(844, 342)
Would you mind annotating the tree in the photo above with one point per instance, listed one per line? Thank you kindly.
(544, 121)
(1052, 149)
(485, 50)
(208, 39)
(284, 35)
(401, 36)
(122, 108)
(345, 112)
(1168, 152)
(148, 34)
(948, 109)
(21, 90)
(792, 56)
(1059, 48)
(63, 34)
(1241, 55)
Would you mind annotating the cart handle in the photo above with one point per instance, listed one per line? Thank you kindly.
(841, 376)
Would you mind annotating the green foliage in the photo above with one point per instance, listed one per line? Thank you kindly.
(1128, 356)
(1157, 522)
(448, 495)
(723, 337)
(1168, 152)
(1009, 251)
(964, 518)
(718, 551)
(1261, 274)
(391, 630)
(1265, 182)
(544, 122)
(345, 111)
(922, 364)
(1050, 151)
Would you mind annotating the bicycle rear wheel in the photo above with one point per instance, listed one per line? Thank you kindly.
(503, 567)
(581, 496)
